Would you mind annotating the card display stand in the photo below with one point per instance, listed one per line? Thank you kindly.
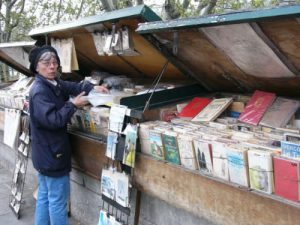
(19, 175)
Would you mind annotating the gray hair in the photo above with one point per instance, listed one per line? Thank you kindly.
(47, 56)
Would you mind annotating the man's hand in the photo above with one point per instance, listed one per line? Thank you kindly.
(80, 100)
(101, 89)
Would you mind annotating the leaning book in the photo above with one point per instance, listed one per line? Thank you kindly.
(213, 110)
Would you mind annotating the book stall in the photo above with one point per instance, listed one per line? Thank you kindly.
(203, 113)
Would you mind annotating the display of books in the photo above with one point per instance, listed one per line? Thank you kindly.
(171, 147)
(204, 156)
(261, 170)
(156, 144)
(187, 152)
(256, 107)
(212, 110)
(238, 165)
(280, 112)
(220, 162)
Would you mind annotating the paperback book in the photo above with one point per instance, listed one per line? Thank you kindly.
(156, 144)
(256, 107)
(220, 162)
(171, 147)
(187, 152)
(204, 156)
(194, 107)
(212, 110)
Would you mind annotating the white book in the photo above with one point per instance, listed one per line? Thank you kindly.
(122, 189)
(108, 184)
(220, 163)
(187, 152)
(144, 136)
(238, 165)
(112, 140)
(203, 154)
(213, 110)
(261, 170)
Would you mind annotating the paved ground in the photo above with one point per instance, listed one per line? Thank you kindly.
(7, 217)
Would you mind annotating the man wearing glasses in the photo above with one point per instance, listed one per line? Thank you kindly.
(50, 111)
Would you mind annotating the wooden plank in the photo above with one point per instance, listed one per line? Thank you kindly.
(218, 202)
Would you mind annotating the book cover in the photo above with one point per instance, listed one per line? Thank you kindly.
(187, 152)
(194, 107)
(290, 150)
(103, 218)
(144, 137)
(204, 156)
(238, 166)
(130, 145)
(108, 184)
(280, 112)
(220, 163)
(122, 189)
(261, 170)
(286, 174)
(256, 107)
(212, 110)
(157, 149)
(171, 147)
(112, 140)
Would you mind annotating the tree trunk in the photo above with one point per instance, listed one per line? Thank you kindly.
(205, 8)
(170, 10)
(139, 2)
(109, 5)
(80, 9)
(58, 13)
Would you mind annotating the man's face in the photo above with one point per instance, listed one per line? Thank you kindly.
(48, 68)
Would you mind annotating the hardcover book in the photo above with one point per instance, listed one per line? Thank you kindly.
(280, 112)
(290, 150)
(212, 110)
(187, 152)
(261, 170)
(194, 107)
(156, 144)
(256, 107)
(220, 168)
(171, 147)
(287, 176)
(238, 165)
(204, 156)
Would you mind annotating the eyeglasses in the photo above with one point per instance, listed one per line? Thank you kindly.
(48, 63)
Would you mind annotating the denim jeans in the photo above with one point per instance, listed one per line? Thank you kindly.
(53, 197)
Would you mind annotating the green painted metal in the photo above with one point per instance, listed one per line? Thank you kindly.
(140, 11)
(221, 19)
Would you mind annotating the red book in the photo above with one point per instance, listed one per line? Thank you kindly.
(256, 107)
(194, 107)
(286, 172)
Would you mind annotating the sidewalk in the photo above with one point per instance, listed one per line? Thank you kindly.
(7, 217)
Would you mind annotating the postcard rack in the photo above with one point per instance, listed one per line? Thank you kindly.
(19, 175)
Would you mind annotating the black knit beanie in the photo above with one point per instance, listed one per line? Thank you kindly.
(36, 53)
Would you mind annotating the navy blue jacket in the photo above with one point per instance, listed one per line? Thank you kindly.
(50, 111)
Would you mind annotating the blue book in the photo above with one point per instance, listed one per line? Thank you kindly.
(291, 150)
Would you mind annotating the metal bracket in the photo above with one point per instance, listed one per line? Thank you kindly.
(175, 42)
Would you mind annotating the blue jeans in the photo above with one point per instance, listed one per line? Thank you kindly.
(52, 202)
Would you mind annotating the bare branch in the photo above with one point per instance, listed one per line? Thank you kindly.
(58, 13)
(80, 9)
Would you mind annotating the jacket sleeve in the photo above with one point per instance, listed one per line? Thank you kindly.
(46, 115)
(75, 89)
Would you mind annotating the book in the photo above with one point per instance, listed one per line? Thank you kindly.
(112, 140)
(287, 176)
(256, 107)
(220, 162)
(122, 189)
(280, 112)
(212, 110)
(108, 184)
(204, 156)
(238, 165)
(171, 147)
(130, 145)
(290, 150)
(156, 144)
(187, 152)
(144, 136)
(261, 170)
(194, 107)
